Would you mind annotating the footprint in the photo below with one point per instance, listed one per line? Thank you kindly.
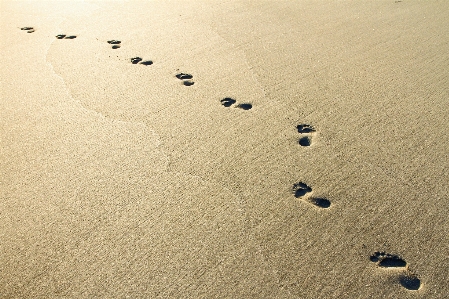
(301, 189)
(136, 60)
(407, 279)
(186, 79)
(115, 43)
(305, 129)
(228, 102)
(63, 36)
(28, 29)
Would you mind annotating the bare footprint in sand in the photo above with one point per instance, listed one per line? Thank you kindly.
(185, 78)
(302, 190)
(28, 29)
(63, 36)
(228, 102)
(138, 60)
(407, 279)
(115, 43)
(306, 132)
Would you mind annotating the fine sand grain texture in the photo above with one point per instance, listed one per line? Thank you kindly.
(224, 149)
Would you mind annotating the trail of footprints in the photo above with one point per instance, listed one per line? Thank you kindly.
(300, 190)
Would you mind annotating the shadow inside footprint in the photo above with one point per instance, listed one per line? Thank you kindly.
(115, 46)
(245, 106)
(188, 83)
(320, 202)
(136, 60)
(300, 189)
(183, 76)
(410, 282)
(228, 102)
(305, 141)
(305, 128)
(70, 37)
(147, 62)
(390, 262)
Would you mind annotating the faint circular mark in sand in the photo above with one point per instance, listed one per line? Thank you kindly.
(147, 62)
(245, 106)
(320, 202)
(305, 141)
(410, 282)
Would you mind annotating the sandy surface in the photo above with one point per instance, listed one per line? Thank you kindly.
(118, 181)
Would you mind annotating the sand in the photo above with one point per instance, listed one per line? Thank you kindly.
(324, 173)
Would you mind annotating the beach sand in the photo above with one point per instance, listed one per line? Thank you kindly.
(303, 153)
